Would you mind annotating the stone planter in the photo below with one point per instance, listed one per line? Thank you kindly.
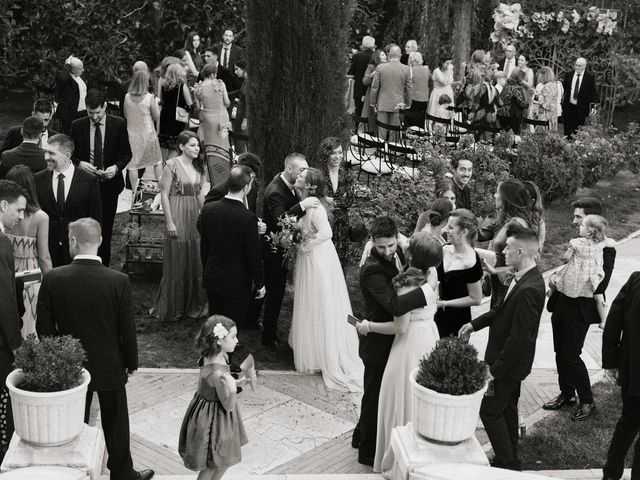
(47, 418)
(442, 417)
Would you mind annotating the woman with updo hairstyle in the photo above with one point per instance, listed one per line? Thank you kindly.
(180, 294)
(415, 336)
(212, 100)
(460, 274)
(442, 80)
(378, 57)
(435, 219)
(537, 211)
(444, 189)
(415, 115)
(513, 203)
(339, 192)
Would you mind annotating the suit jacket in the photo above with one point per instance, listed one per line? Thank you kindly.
(586, 95)
(116, 151)
(230, 249)
(10, 323)
(28, 154)
(359, 63)
(279, 200)
(382, 304)
(67, 94)
(621, 337)
(391, 85)
(82, 201)
(501, 65)
(235, 54)
(584, 308)
(92, 303)
(514, 328)
(14, 138)
(219, 191)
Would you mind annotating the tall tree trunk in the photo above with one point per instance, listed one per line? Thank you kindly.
(462, 24)
(297, 59)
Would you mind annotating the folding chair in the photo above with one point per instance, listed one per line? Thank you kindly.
(219, 163)
(372, 157)
(536, 123)
(239, 142)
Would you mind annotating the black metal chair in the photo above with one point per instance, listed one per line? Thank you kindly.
(536, 123)
(373, 161)
(239, 144)
(219, 162)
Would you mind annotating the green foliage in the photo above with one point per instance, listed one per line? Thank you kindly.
(548, 160)
(598, 153)
(51, 364)
(297, 52)
(453, 368)
(36, 37)
(628, 144)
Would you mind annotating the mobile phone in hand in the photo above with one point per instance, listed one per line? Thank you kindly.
(352, 320)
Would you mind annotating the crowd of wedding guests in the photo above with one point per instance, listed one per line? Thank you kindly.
(58, 203)
(387, 84)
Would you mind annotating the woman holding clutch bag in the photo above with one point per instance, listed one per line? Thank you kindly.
(173, 93)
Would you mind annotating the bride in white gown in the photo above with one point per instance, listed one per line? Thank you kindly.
(321, 338)
(416, 335)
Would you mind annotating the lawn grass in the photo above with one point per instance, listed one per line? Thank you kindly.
(557, 443)
(171, 344)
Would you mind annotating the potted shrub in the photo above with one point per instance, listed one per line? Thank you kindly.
(448, 387)
(48, 390)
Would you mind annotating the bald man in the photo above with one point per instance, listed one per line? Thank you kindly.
(579, 95)
(391, 88)
(410, 47)
(70, 93)
(358, 67)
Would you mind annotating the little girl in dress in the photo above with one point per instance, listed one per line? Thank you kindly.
(212, 431)
(584, 269)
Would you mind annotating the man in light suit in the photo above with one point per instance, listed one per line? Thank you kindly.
(66, 193)
(13, 203)
(230, 250)
(579, 95)
(512, 344)
(102, 149)
(391, 88)
(93, 303)
(28, 152)
(42, 109)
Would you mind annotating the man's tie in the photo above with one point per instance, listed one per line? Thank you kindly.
(60, 192)
(577, 88)
(225, 61)
(508, 68)
(97, 147)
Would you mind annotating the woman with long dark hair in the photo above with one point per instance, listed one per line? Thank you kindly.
(515, 100)
(180, 294)
(30, 239)
(193, 45)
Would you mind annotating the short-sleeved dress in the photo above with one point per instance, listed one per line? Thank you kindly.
(210, 436)
(453, 284)
(583, 273)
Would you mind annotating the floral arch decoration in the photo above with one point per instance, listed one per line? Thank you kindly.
(556, 39)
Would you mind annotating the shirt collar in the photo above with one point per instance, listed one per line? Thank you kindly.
(1, 227)
(520, 273)
(82, 256)
(234, 198)
(286, 181)
(67, 172)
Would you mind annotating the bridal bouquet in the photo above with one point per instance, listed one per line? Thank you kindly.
(289, 239)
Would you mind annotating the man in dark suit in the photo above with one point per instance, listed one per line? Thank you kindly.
(512, 344)
(28, 152)
(13, 203)
(381, 305)
(579, 95)
(66, 193)
(102, 149)
(254, 164)
(230, 53)
(280, 198)
(42, 109)
(391, 88)
(621, 361)
(70, 93)
(359, 63)
(570, 321)
(93, 303)
(230, 250)
(509, 63)
(463, 169)
(211, 57)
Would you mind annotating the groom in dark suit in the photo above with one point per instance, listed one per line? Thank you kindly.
(93, 303)
(280, 198)
(102, 149)
(66, 193)
(512, 344)
(230, 250)
(382, 304)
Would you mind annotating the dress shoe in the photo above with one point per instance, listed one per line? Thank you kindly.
(365, 460)
(143, 475)
(558, 402)
(583, 412)
(355, 439)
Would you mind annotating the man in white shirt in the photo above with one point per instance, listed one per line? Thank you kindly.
(579, 95)
(230, 53)
(62, 203)
(71, 91)
(509, 64)
(42, 109)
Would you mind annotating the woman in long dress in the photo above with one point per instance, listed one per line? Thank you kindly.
(142, 113)
(321, 338)
(180, 294)
(442, 81)
(213, 101)
(415, 336)
(30, 239)
(546, 98)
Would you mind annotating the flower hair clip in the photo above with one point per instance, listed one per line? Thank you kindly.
(219, 331)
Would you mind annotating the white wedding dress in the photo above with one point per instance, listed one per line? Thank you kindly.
(321, 338)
